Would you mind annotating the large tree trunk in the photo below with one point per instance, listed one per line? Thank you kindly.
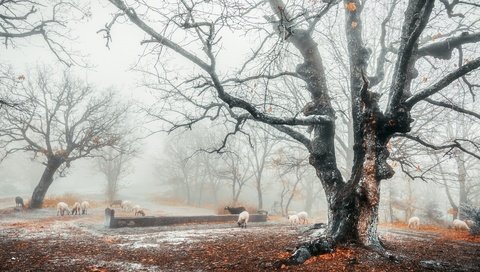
(45, 181)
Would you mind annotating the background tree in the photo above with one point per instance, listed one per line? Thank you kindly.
(60, 120)
(291, 44)
(115, 164)
(261, 150)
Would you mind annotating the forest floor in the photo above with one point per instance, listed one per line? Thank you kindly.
(40, 241)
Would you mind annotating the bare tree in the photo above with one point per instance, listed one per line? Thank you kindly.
(60, 120)
(237, 171)
(261, 150)
(292, 169)
(291, 36)
(116, 164)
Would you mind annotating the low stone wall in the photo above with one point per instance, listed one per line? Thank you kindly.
(150, 221)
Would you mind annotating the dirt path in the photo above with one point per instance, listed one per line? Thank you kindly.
(40, 241)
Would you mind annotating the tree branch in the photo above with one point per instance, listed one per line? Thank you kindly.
(444, 82)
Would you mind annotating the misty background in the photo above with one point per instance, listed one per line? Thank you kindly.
(155, 172)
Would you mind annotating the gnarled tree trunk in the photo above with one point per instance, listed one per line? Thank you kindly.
(46, 180)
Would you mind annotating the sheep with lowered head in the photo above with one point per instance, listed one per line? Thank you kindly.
(19, 202)
(293, 219)
(243, 219)
(138, 211)
(413, 223)
(76, 208)
(302, 217)
(460, 225)
(62, 207)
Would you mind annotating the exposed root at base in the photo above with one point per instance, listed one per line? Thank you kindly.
(316, 247)
(324, 245)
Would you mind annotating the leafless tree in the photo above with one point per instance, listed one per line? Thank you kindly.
(60, 120)
(26, 19)
(291, 35)
(236, 171)
(116, 164)
(261, 151)
(291, 168)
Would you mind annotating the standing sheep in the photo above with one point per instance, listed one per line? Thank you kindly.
(413, 223)
(76, 208)
(293, 219)
(117, 203)
(19, 202)
(127, 205)
(302, 217)
(62, 207)
(460, 225)
(84, 206)
(138, 211)
(243, 219)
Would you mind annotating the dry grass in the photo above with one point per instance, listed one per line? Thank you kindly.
(69, 198)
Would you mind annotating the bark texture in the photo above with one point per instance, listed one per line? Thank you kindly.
(46, 180)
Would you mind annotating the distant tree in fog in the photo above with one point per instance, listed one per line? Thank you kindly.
(59, 119)
(115, 164)
(260, 155)
(390, 71)
(291, 169)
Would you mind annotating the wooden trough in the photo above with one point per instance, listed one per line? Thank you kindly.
(151, 221)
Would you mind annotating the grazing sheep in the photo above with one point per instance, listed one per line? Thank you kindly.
(413, 223)
(302, 217)
(117, 203)
(470, 223)
(459, 225)
(85, 205)
(243, 219)
(293, 219)
(235, 210)
(19, 202)
(127, 205)
(138, 211)
(62, 207)
(76, 208)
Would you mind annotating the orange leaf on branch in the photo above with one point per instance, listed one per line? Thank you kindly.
(351, 6)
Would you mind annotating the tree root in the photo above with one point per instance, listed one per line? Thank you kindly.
(324, 245)
(315, 247)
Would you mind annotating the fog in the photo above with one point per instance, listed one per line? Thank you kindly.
(117, 68)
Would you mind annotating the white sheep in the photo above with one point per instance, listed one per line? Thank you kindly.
(62, 207)
(243, 219)
(470, 223)
(127, 205)
(138, 211)
(76, 208)
(413, 223)
(302, 217)
(459, 225)
(293, 219)
(84, 205)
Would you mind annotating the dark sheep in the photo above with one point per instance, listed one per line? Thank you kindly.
(19, 202)
(116, 203)
(235, 210)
